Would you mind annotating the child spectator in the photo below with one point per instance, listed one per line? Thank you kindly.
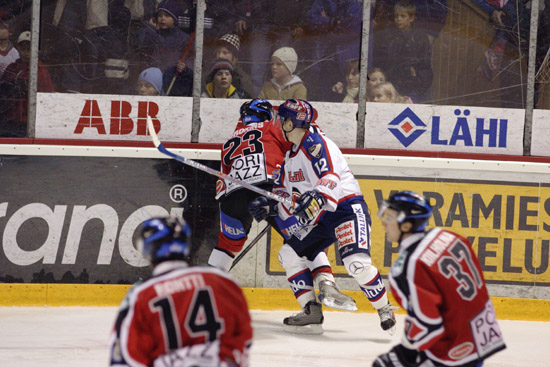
(8, 53)
(405, 54)
(376, 76)
(284, 85)
(386, 92)
(15, 87)
(161, 42)
(228, 47)
(150, 82)
(352, 83)
(220, 77)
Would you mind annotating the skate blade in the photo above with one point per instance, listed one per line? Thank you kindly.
(312, 329)
(332, 303)
(391, 330)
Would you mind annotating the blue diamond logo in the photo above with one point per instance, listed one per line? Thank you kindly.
(407, 127)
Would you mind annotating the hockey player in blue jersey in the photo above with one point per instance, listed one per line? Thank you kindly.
(330, 208)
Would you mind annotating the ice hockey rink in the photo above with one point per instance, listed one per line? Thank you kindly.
(78, 336)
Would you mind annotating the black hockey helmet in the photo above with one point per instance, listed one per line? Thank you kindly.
(257, 110)
(299, 111)
(164, 238)
(411, 207)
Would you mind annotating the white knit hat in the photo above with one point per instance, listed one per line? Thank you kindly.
(288, 56)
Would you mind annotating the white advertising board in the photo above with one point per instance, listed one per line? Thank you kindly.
(444, 128)
(540, 137)
(112, 117)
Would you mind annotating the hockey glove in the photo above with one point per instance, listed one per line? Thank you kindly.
(261, 208)
(308, 206)
(398, 356)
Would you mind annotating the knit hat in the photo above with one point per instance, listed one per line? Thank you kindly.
(288, 56)
(152, 76)
(221, 64)
(231, 41)
(24, 36)
(170, 7)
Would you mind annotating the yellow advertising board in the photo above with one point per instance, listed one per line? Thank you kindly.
(508, 225)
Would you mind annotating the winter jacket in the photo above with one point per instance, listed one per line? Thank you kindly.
(405, 56)
(295, 88)
(162, 48)
(232, 92)
(282, 13)
(335, 16)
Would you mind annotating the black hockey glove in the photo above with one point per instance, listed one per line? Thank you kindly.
(262, 207)
(398, 356)
(308, 206)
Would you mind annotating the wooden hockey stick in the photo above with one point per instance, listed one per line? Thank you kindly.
(211, 171)
(249, 247)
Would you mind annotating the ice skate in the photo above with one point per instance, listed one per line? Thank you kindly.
(331, 297)
(306, 322)
(387, 318)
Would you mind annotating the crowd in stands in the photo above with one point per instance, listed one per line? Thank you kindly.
(268, 49)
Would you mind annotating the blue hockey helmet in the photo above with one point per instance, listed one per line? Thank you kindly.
(257, 110)
(411, 207)
(299, 111)
(164, 238)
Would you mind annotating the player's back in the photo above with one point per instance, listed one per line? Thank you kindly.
(449, 299)
(188, 306)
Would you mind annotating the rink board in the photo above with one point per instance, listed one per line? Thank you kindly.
(258, 299)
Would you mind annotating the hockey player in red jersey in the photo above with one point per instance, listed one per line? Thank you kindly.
(253, 153)
(182, 316)
(330, 208)
(438, 280)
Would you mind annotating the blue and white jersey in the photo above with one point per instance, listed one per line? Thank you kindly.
(316, 164)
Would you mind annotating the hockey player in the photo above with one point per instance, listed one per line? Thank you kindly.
(182, 316)
(438, 280)
(254, 151)
(329, 207)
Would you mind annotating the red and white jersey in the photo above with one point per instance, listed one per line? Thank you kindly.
(183, 312)
(317, 163)
(252, 153)
(438, 280)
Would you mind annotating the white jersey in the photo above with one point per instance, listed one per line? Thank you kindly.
(317, 163)
(8, 56)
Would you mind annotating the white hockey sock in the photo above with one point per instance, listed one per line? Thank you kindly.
(220, 260)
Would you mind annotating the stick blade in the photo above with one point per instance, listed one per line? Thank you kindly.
(152, 132)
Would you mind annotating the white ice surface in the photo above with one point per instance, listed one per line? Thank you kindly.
(78, 336)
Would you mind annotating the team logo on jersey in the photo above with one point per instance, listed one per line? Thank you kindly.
(296, 176)
(315, 150)
(407, 127)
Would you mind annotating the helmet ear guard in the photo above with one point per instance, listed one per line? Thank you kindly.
(410, 207)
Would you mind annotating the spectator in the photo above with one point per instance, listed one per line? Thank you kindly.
(220, 77)
(150, 82)
(284, 85)
(15, 87)
(335, 26)
(228, 47)
(375, 76)
(386, 92)
(161, 42)
(178, 80)
(266, 26)
(405, 53)
(8, 53)
(352, 83)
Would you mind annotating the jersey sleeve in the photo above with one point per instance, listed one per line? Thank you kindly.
(324, 166)
(279, 188)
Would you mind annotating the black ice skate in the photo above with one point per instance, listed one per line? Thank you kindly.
(306, 322)
(331, 297)
(387, 318)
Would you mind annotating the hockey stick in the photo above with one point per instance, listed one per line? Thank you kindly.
(182, 60)
(211, 171)
(249, 247)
